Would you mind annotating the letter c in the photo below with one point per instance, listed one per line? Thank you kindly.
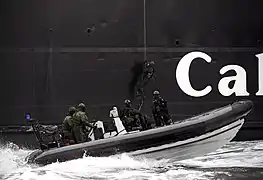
(182, 74)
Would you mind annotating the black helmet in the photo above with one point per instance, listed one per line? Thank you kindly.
(149, 63)
(127, 101)
(72, 109)
(82, 105)
(156, 93)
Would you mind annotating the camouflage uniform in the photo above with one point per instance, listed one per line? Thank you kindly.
(67, 126)
(131, 117)
(160, 110)
(144, 79)
(79, 121)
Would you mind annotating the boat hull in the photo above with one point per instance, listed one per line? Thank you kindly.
(193, 147)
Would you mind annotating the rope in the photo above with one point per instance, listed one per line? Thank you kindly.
(144, 30)
(141, 97)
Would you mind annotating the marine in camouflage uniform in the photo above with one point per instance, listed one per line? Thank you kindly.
(145, 77)
(79, 121)
(160, 110)
(131, 117)
(67, 126)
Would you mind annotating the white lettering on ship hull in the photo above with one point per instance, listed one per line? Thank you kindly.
(182, 74)
(240, 79)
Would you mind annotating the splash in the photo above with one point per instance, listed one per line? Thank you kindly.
(92, 167)
(12, 157)
(235, 154)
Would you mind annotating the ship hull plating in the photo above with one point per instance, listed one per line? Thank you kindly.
(86, 51)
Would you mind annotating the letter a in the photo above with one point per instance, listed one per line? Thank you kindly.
(240, 79)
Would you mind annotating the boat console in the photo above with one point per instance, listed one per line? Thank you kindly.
(47, 136)
(50, 130)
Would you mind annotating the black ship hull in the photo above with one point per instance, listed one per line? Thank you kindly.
(60, 53)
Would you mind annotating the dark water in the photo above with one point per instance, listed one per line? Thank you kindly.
(237, 160)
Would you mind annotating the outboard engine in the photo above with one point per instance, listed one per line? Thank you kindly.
(47, 136)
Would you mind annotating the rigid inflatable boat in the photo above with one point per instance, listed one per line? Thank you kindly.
(192, 137)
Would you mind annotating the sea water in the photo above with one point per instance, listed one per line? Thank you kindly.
(236, 160)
